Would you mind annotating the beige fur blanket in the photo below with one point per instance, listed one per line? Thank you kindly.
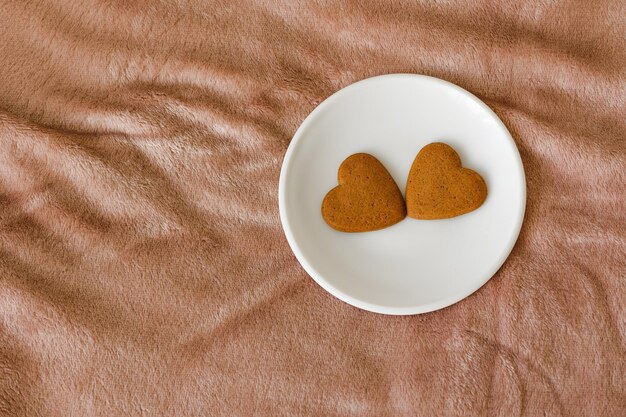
(143, 269)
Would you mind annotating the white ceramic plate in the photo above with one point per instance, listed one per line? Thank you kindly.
(415, 266)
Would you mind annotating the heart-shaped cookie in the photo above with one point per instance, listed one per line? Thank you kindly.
(367, 198)
(439, 188)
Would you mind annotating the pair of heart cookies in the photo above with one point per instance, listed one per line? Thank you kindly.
(367, 198)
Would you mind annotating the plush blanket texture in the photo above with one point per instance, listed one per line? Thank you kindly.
(143, 269)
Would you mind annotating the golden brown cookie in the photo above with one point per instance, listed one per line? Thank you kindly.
(439, 188)
(367, 198)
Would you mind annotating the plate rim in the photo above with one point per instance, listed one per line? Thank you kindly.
(310, 269)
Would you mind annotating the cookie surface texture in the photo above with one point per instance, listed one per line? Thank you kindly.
(438, 187)
(366, 198)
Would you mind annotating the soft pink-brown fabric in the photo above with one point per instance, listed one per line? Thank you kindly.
(143, 269)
